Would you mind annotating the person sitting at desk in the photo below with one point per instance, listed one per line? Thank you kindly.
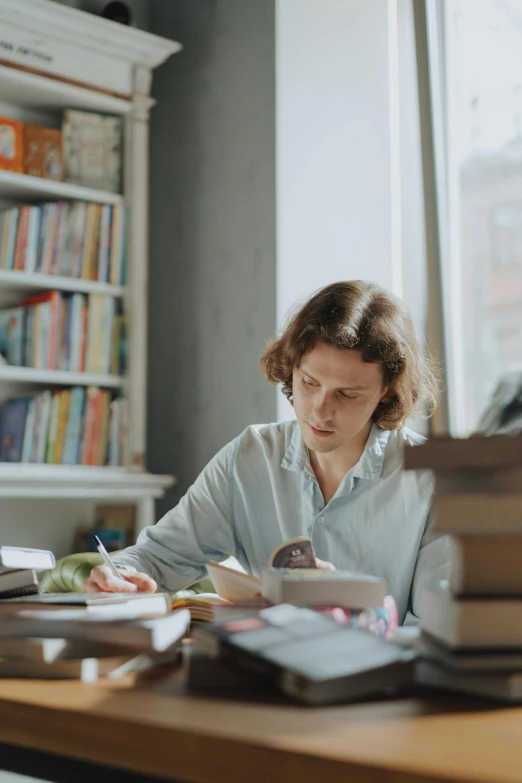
(352, 367)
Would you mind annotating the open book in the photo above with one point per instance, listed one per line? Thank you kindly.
(235, 586)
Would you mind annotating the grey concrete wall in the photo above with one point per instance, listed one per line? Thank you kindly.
(212, 231)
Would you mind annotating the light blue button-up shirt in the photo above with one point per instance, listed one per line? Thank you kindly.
(260, 490)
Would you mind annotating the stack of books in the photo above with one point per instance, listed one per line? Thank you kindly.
(471, 625)
(78, 426)
(74, 239)
(19, 568)
(74, 635)
(70, 332)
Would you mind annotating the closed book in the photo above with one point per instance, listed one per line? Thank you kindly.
(479, 513)
(465, 661)
(40, 650)
(486, 565)
(488, 623)
(319, 587)
(13, 416)
(504, 686)
(42, 152)
(157, 633)
(500, 481)
(16, 583)
(445, 453)
(33, 233)
(11, 239)
(12, 335)
(307, 655)
(14, 557)
(21, 237)
(204, 674)
(11, 144)
(92, 145)
(84, 669)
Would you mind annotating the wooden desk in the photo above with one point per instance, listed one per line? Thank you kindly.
(155, 729)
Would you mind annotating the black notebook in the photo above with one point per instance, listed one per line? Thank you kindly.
(307, 655)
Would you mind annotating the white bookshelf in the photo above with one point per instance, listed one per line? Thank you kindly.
(25, 188)
(54, 58)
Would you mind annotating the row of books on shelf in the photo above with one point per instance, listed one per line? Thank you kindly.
(75, 239)
(71, 332)
(77, 426)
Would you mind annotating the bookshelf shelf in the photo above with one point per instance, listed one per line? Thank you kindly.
(13, 279)
(22, 186)
(10, 374)
(77, 481)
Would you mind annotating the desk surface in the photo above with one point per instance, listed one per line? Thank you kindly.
(156, 729)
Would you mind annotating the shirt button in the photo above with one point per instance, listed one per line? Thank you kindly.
(321, 520)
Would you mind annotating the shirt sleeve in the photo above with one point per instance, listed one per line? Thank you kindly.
(174, 551)
(433, 565)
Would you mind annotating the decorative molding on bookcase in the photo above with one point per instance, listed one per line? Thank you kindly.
(61, 41)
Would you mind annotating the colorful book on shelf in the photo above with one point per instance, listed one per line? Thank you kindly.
(72, 239)
(12, 144)
(12, 429)
(68, 427)
(42, 151)
(62, 331)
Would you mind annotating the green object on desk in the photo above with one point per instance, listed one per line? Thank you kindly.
(68, 574)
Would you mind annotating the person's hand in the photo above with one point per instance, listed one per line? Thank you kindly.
(102, 580)
(324, 564)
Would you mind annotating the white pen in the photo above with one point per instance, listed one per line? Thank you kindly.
(108, 561)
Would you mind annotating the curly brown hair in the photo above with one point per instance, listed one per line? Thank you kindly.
(357, 315)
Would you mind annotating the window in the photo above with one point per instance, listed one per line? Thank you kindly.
(481, 55)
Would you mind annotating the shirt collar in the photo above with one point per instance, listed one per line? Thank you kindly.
(369, 466)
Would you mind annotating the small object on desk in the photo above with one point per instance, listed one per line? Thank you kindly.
(108, 562)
